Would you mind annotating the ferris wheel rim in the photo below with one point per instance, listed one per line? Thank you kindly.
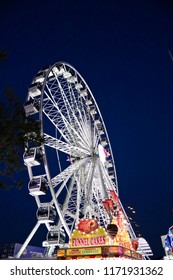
(41, 114)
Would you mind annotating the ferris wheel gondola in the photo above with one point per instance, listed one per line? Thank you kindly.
(33, 156)
(46, 213)
(38, 186)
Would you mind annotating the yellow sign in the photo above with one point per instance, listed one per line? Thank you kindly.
(83, 251)
(108, 250)
(61, 253)
(98, 237)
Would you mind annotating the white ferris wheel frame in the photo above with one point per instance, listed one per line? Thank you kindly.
(68, 104)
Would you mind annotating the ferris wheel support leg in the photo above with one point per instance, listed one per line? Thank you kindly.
(54, 196)
(59, 210)
(27, 240)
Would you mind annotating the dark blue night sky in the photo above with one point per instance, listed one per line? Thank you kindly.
(121, 48)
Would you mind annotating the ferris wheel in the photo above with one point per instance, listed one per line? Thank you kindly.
(72, 172)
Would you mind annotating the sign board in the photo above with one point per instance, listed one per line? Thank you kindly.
(84, 251)
(98, 237)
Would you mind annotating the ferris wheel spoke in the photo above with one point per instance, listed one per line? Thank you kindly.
(72, 109)
(52, 112)
(83, 118)
(64, 182)
(69, 171)
(71, 150)
(68, 131)
(55, 115)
